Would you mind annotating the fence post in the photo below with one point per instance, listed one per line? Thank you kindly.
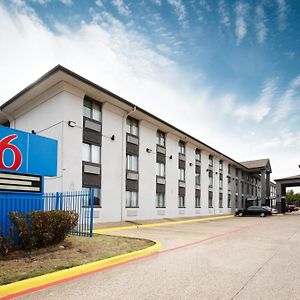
(92, 212)
(56, 200)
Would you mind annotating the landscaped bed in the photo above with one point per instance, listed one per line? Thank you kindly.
(73, 251)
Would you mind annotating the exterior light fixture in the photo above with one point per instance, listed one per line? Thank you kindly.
(33, 132)
(191, 164)
(148, 150)
(72, 123)
(112, 137)
(170, 156)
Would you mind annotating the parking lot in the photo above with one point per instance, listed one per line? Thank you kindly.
(236, 258)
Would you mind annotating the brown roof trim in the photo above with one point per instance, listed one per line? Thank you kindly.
(88, 82)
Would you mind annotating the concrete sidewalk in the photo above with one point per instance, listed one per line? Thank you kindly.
(151, 221)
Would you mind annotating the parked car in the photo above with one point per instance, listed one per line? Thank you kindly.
(254, 211)
(273, 210)
(291, 207)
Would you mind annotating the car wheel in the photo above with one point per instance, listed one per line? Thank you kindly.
(262, 214)
(240, 214)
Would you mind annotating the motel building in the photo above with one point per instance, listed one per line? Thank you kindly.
(139, 166)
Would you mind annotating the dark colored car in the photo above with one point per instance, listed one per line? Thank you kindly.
(253, 211)
(291, 207)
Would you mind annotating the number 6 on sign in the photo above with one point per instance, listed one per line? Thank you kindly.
(5, 144)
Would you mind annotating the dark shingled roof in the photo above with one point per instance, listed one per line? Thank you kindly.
(255, 164)
(289, 178)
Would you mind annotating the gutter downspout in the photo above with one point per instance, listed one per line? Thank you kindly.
(123, 162)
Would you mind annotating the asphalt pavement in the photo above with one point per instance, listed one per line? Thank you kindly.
(237, 258)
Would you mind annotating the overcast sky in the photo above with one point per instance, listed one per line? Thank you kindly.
(227, 72)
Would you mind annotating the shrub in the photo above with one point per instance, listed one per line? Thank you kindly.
(43, 228)
(6, 245)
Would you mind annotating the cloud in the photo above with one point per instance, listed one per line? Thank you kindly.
(157, 2)
(287, 104)
(179, 9)
(99, 3)
(261, 28)
(67, 2)
(225, 19)
(258, 110)
(241, 10)
(282, 11)
(41, 2)
(122, 8)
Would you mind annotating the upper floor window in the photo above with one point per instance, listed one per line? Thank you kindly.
(210, 160)
(91, 153)
(91, 110)
(182, 174)
(197, 178)
(181, 147)
(161, 138)
(210, 178)
(221, 180)
(198, 155)
(132, 162)
(160, 169)
(132, 126)
(221, 165)
(229, 169)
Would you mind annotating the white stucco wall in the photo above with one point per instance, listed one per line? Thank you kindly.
(50, 118)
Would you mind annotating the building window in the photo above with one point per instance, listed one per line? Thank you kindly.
(242, 183)
(131, 199)
(198, 155)
(132, 126)
(132, 162)
(181, 147)
(210, 199)
(229, 169)
(229, 180)
(210, 178)
(160, 169)
(97, 199)
(91, 153)
(182, 174)
(197, 178)
(236, 173)
(210, 161)
(220, 200)
(197, 202)
(221, 165)
(181, 201)
(229, 200)
(236, 201)
(160, 200)
(161, 138)
(91, 110)
(220, 180)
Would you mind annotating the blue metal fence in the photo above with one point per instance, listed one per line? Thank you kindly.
(81, 202)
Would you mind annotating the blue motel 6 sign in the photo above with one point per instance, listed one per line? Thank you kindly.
(26, 153)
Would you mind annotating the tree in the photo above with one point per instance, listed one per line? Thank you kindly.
(292, 197)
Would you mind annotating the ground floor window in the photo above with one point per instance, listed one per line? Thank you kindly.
(210, 199)
(220, 200)
(181, 201)
(160, 200)
(236, 201)
(131, 199)
(229, 201)
(197, 202)
(97, 196)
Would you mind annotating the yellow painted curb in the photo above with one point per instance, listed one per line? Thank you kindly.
(23, 285)
(160, 224)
